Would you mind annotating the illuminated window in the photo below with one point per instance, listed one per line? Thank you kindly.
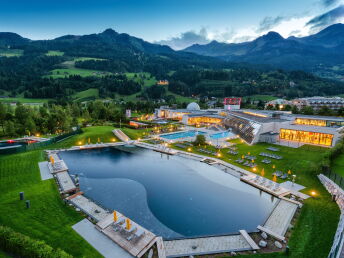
(306, 137)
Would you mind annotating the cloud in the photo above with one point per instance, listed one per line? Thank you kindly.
(269, 22)
(186, 39)
(335, 15)
(328, 3)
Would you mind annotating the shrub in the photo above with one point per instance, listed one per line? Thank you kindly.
(25, 246)
(200, 140)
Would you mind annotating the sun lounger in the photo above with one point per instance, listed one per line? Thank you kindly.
(285, 176)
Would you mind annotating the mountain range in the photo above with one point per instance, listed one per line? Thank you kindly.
(321, 53)
(323, 49)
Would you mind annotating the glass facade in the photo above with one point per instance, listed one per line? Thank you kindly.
(306, 121)
(203, 120)
(306, 137)
(318, 122)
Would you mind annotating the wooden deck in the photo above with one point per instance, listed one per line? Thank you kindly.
(279, 220)
(136, 247)
(250, 180)
(66, 183)
(206, 245)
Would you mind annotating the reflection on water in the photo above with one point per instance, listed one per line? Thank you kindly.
(173, 197)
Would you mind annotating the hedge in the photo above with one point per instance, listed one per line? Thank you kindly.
(22, 245)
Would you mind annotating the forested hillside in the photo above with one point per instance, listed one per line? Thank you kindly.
(106, 62)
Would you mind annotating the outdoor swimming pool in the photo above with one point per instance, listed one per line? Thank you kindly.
(174, 136)
(222, 135)
(171, 196)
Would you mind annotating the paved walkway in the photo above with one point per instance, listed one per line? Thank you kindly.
(120, 135)
(99, 241)
(206, 245)
(90, 208)
(280, 218)
(44, 170)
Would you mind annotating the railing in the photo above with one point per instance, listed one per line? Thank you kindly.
(336, 178)
(338, 195)
(38, 145)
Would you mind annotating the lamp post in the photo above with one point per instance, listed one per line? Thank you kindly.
(294, 176)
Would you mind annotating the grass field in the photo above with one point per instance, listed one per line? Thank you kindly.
(61, 73)
(313, 233)
(338, 165)
(54, 53)
(11, 52)
(147, 82)
(23, 100)
(78, 59)
(86, 95)
(261, 97)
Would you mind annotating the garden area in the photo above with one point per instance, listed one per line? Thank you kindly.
(50, 220)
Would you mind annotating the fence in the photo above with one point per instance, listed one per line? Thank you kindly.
(38, 145)
(338, 179)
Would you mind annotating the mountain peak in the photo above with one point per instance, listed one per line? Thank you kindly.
(272, 35)
(109, 31)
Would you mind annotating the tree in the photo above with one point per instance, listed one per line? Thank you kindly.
(200, 140)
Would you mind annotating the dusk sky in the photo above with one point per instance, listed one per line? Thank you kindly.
(178, 23)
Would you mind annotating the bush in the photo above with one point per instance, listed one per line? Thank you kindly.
(200, 140)
(22, 245)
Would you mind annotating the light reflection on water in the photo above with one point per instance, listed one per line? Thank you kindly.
(174, 197)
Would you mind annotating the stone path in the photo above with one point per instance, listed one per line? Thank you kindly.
(99, 241)
(90, 208)
(278, 222)
(44, 170)
(206, 245)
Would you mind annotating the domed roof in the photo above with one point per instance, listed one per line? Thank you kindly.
(193, 106)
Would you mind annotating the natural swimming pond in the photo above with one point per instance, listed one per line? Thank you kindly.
(171, 196)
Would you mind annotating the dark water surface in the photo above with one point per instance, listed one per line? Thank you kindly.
(172, 197)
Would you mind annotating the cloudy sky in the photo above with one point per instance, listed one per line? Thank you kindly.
(178, 23)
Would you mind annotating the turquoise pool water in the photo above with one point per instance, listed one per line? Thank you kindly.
(174, 136)
(171, 196)
(221, 135)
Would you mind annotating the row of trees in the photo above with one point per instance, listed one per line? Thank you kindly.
(54, 119)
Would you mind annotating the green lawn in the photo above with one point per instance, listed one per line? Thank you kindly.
(61, 73)
(134, 134)
(23, 100)
(54, 53)
(261, 97)
(78, 59)
(48, 219)
(313, 233)
(86, 95)
(338, 165)
(11, 52)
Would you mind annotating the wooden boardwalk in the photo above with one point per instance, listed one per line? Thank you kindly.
(206, 245)
(279, 220)
(66, 183)
(250, 180)
(88, 207)
(136, 247)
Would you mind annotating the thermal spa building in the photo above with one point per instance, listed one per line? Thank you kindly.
(276, 127)
(263, 125)
(192, 115)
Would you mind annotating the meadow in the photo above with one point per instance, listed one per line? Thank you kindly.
(11, 52)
